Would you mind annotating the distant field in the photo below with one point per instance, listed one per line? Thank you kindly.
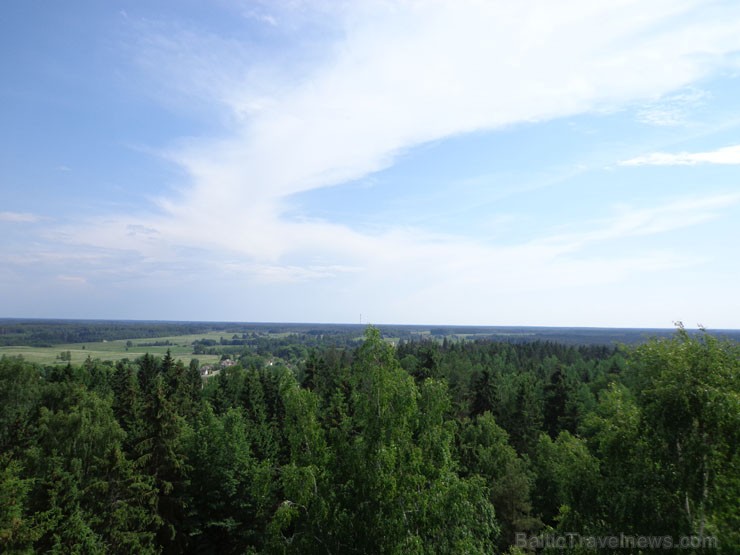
(181, 349)
(116, 340)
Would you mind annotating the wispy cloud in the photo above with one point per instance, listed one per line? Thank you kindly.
(630, 221)
(294, 274)
(262, 16)
(674, 109)
(401, 75)
(405, 74)
(19, 217)
(729, 155)
(72, 280)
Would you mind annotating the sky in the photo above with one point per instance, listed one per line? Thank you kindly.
(461, 162)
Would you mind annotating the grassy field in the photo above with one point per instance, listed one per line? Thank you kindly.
(180, 347)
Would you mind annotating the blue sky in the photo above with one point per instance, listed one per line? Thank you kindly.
(435, 162)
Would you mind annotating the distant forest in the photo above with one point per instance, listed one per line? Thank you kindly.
(46, 333)
(371, 440)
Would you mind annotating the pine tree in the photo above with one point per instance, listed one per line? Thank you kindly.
(127, 401)
(160, 455)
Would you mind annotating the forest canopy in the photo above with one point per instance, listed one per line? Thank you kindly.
(415, 446)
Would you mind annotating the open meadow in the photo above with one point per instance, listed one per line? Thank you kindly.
(180, 346)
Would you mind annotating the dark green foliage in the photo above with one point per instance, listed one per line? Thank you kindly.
(182, 386)
(523, 419)
(485, 394)
(20, 392)
(86, 497)
(225, 390)
(127, 398)
(160, 454)
(310, 369)
(228, 496)
(17, 530)
(96, 375)
(149, 368)
(485, 451)
(47, 332)
(434, 446)
(561, 406)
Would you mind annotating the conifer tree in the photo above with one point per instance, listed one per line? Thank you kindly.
(160, 455)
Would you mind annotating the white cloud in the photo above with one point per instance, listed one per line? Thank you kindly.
(19, 217)
(432, 70)
(405, 74)
(674, 109)
(729, 155)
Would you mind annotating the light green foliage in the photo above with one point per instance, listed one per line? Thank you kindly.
(689, 391)
(397, 488)
(435, 437)
(300, 523)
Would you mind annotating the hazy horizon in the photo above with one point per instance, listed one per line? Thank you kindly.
(422, 325)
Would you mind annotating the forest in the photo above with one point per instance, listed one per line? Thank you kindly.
(418, 445)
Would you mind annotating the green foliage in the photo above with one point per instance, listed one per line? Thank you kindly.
(567, 485)
(484, 451)
(395, 488)
(433, 446)
(228, 489)
(689, 391)
(20, 393)
(161, 456)
(17, 532)
(87, 497)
